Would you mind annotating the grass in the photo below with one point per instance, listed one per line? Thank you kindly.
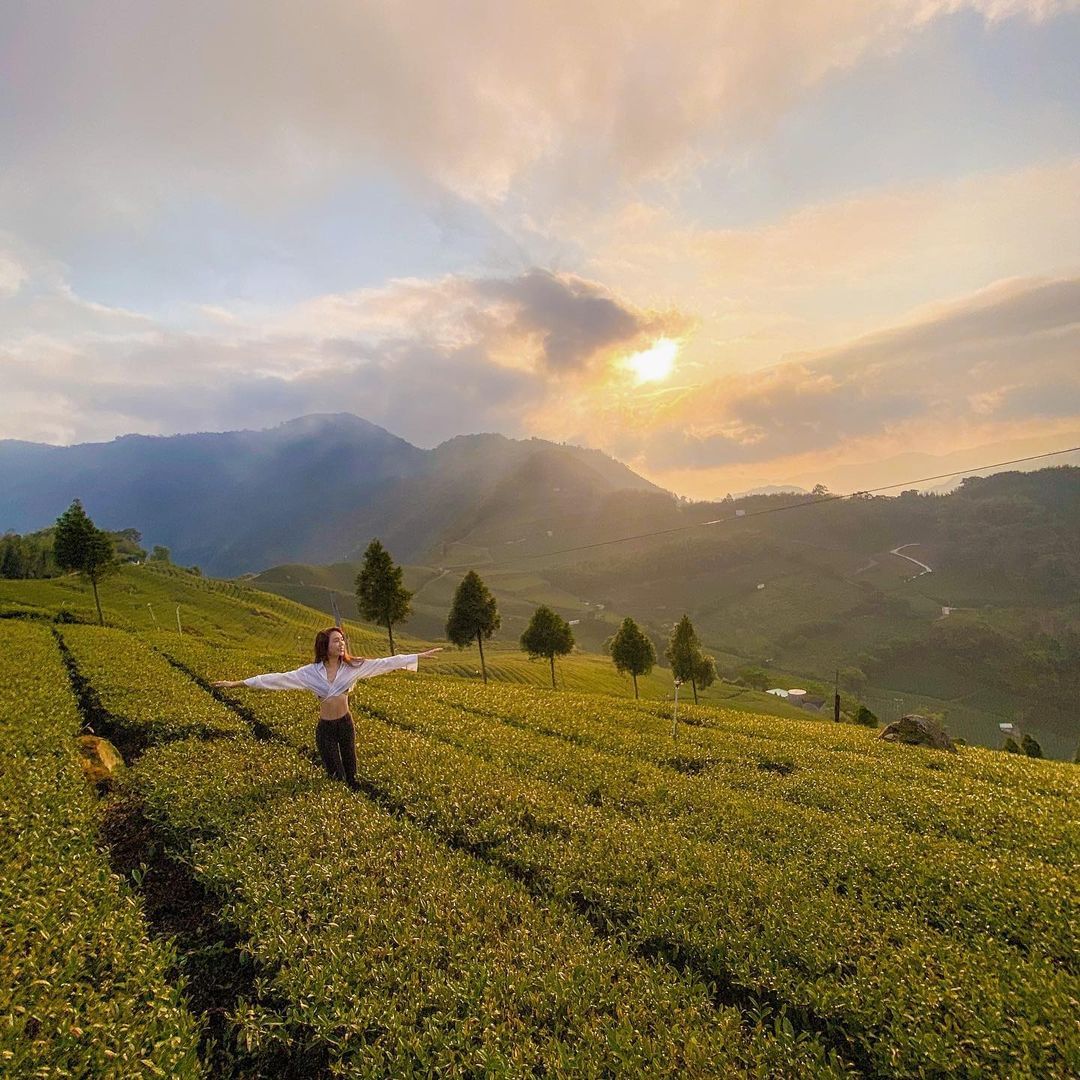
(235, 615)
(534, 880)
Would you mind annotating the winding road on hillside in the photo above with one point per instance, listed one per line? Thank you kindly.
(900, 551)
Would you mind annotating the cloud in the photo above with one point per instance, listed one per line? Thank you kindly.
(12, 276)
(1005, 355)
(428, 360)
(177, 383)
(537, 320)
(114, 108)
(1007, 309)
(838, 270)
(573, 318)
(36, 300)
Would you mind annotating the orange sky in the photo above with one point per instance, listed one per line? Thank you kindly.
(860, 223)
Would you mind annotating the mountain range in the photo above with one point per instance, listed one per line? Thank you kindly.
(314, 489)
(965, 603)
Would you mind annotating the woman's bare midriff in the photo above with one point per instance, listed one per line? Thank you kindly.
(333, 708)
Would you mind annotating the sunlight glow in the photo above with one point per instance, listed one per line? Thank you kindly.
(656, 363)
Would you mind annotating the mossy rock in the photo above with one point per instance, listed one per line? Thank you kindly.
(101, 761)
(916, 730)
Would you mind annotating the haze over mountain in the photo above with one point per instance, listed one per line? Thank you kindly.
(310, 490)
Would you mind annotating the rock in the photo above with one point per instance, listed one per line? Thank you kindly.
(101, 761)
(918, 731)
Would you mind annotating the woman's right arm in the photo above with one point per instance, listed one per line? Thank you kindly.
(274, 680)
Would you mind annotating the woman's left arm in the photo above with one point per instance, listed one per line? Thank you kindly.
(404, 661)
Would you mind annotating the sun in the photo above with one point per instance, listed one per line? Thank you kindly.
(654, 364)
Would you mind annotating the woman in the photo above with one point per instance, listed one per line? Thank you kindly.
(331, 677)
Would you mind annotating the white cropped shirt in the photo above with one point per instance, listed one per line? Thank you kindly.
(313, 676)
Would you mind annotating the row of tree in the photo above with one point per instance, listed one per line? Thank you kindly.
(75, 544)
(633, 653)
(79, 545)
(382, 598)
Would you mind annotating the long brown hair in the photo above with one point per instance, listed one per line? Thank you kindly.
(322, 647)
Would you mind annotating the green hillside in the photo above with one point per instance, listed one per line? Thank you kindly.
(990, 635)
(529, 882)
(149, 599)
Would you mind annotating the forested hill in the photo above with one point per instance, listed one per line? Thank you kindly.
(991, 634)
(794, 589)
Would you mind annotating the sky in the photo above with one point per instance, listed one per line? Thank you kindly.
(731, 244)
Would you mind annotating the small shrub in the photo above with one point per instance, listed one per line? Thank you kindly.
(865, 717)
(1031, 747)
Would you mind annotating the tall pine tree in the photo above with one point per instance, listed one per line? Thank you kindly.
(474, 615)
(704, 673)
(683, 651)
(632, 651)
(548, 634)
(78, 544)
(380, 596)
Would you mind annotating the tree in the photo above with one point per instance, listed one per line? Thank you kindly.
(15, 557)
(632, 651)
(160, 554)
(127, 544)
(27, 556)
(81, 546)
(1030, 746)
(682, 646)
(704, 673)
(380, 596)
(473, 615)
(757, 678)
(1012, 746)
(548, 634)
(865, 717)
(853, 679)
(683, 651)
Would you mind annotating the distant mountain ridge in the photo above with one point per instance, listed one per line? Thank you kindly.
(314, 489)
(771, 489)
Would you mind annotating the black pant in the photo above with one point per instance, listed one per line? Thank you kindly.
(336, 740)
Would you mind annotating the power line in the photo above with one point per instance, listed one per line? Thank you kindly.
(744, 515)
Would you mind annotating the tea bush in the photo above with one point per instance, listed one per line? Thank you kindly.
(84, 991)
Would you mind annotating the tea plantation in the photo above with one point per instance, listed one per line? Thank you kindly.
(530, 882)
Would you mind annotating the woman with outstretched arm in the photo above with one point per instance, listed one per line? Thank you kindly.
(330, 678)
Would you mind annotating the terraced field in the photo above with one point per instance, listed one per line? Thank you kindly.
(531, 882)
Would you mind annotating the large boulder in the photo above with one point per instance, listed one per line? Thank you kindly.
(916, 730)
(101, 761)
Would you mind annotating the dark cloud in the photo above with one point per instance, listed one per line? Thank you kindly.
(1009, 311)
(575, 319)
